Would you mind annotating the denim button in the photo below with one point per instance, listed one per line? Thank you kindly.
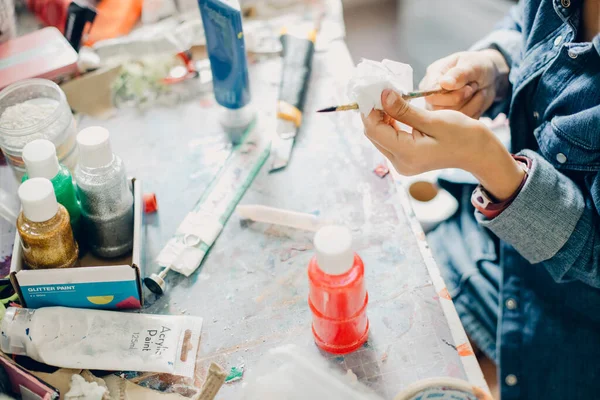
(558, 40)
(511, 380)
(561, 158)
(511, 304)
(565, 3)
(536, 115)
(572, 54)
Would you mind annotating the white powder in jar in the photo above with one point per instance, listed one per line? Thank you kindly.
(27, 113)
(39, 118)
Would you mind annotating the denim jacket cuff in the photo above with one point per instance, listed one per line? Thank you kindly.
(544, 214)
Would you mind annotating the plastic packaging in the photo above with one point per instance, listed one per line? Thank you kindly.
(290, 373)
(41, 162)
(44, 228)
(106, 200)
(103, 340)
(338, 297)
(36, 109)
(227, 53)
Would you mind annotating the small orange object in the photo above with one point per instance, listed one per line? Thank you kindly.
(114, 18)
(444, 294)
(150, 204)
(465, 349)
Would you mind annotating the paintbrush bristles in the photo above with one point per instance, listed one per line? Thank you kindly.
(345, 107)
(405, 96)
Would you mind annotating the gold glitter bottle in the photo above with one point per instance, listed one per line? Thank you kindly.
(44, 227)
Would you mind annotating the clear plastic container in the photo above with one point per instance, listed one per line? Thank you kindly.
(36, 109)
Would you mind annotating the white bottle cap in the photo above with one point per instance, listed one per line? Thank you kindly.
(38, 199)
(40, 159)
(333, 245)
(94, 147)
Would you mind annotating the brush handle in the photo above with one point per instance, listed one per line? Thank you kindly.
(423, 93)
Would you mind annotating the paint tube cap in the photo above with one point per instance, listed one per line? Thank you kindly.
(333, 245)
(38, 199)
(14, 325)
(94, 147)
(40, 159)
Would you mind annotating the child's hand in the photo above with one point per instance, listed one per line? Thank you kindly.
(441, 139)
(475, 78)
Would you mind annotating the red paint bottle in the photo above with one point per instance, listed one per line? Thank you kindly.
(338, 297)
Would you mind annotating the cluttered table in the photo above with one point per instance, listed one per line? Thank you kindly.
(251, 289)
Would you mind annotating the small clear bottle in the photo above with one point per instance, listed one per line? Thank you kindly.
(44, 227)
(105, 196)
(41, 162)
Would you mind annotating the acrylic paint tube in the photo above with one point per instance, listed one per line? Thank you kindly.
(222, 20)
(103, 340)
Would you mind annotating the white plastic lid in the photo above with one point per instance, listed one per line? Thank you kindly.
(333, 245)
(38, 199)
(40, 159)
(94, 147)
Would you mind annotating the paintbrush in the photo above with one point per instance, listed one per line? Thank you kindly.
(405, 96)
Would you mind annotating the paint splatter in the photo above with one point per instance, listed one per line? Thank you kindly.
(444, 294)
(465, 349)
(235, 374)
(206, 103)
(381, 171)
(5, 266)
(449, 344)
(351, 376)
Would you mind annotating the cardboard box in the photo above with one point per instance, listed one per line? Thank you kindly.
(99, 283)
(44, 53)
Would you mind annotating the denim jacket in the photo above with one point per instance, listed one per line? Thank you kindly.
(548, 338)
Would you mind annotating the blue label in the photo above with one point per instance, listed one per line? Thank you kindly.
(226, 52)
(101, 295)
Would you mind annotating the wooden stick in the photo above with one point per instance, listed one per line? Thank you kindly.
(214, 381)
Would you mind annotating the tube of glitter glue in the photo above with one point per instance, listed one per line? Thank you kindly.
(103, 340)
(222, 20)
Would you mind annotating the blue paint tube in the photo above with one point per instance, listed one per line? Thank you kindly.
(222, 21)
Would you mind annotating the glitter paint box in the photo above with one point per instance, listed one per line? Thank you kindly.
(100, 283)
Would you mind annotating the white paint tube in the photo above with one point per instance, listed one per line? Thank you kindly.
(103, 340)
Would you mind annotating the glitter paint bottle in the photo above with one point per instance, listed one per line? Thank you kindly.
(41, 162)
(106, 199)
(338, 297)
(46, 235)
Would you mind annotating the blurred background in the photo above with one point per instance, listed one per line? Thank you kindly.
(418, 32)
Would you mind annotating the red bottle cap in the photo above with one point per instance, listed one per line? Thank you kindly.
(150, 204)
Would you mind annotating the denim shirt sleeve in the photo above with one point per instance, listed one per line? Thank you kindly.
(552, 222)
(507, 38)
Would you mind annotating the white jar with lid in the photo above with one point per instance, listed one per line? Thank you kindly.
(36, 109)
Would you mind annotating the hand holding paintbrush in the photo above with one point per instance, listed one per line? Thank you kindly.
(405, 96)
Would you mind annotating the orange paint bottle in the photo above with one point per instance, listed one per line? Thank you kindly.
(338, 297)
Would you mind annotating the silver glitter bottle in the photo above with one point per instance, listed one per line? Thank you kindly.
(106, 199)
